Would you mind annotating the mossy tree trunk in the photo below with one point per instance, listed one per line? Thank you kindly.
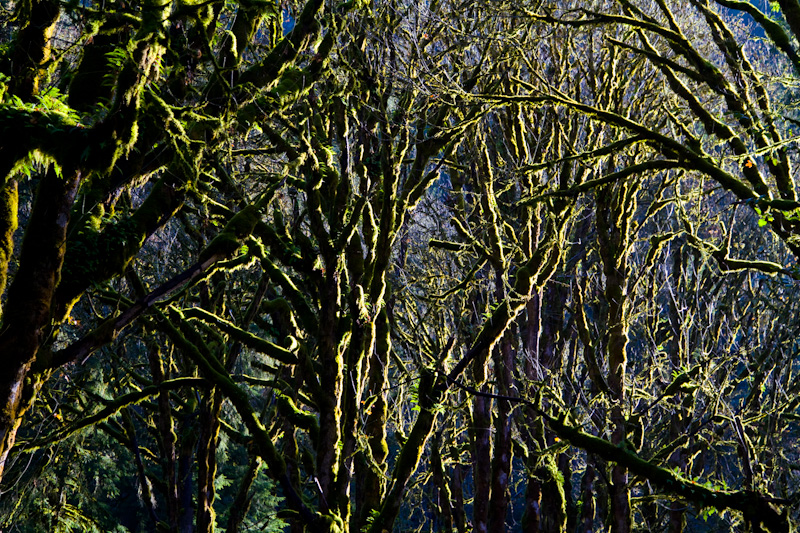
(615, 210)
(26, 319)
(276, 190)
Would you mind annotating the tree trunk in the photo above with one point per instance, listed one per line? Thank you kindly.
(184, 479)
(443, 498)
(502, 453)
(32, 48)
(371, 482)
(330, 408)
(615, 206)
(532, 517)
(459, 515)
(26, 323)
(167, 438)
(207, 460)
(481, 460)
(587, 497)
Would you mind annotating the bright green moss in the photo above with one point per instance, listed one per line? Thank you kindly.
(9, 201)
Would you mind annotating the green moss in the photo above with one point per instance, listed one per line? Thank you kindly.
(298, 417)
(93, 257)
(243, 223)
(292, 83)
(283, 355)
(9, 203)
(326, 523)
(225, 244)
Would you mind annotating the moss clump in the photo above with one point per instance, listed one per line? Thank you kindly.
(298, 417)
(326, 523)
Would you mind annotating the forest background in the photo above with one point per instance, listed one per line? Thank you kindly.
(392, 266)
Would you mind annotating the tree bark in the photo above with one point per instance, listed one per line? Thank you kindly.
(167, 438)
(26, 324)
(587, 497)
(614, 211)
(481, 455)
(502, 453)
(210, 408)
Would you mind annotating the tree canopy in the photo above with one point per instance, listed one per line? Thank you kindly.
(388, 266)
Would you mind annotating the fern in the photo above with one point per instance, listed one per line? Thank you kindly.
(72, 519)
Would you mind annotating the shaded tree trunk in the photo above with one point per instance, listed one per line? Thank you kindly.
(210, 409)
(241, 503)
(481, 454)
(587, 497)
(615, 207)
(26, 321)
(167, 438)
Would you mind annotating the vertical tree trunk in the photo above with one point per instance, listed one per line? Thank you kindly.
(615, 205)
(373, 465)
(482, 407)
(587, 497)
(442, 501)
(360, 342)
(147, 498)
(26, 322)
(241, 503)
(617, 360)
(167, 438)
(677, 427)
(330, 408)
(459, 515)
(184, 478)
(32, 48)
(210, 409)
(481, 455)
(9, 204)
(545, 495)
(532, 517)
(502, 453)
(553, 502)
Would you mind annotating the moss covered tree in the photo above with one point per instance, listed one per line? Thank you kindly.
(383, 266)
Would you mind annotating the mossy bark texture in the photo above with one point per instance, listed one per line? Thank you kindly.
(26, 321)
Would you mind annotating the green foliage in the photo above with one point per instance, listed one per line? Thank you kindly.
(81, 485)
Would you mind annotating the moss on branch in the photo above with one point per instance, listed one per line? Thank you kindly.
(757, 508)
(245, 337)
(213, 371)
(298, 417)
(113, 407)
(754, 506)
(95, 257)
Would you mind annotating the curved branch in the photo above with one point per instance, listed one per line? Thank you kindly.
(113, 408)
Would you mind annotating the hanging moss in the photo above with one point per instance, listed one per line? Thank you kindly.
(522, 281)
(32, 47)
(283, 355)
